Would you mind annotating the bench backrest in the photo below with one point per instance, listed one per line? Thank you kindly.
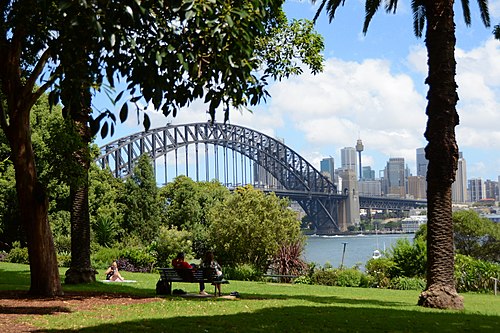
(189, 275)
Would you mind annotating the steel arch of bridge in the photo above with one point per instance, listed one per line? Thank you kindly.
(302, 182)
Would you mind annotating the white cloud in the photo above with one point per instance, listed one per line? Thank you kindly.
(351, 100)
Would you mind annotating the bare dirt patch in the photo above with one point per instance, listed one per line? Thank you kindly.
(17, 305)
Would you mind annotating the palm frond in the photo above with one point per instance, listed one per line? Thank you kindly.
(371, 7)
(466, 11)
(418, 10)
(391, 6)
(332, 6)
(320, 9)
(485, 14)
(496, 31)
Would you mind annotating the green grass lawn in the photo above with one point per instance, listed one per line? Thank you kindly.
(263, 307)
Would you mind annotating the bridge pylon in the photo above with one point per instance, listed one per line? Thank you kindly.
(349, 214)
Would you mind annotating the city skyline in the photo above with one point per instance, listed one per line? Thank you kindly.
(372, 88)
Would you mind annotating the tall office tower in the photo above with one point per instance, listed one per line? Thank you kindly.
(368, 173)
(477, 191)
(348, 158)
(491, 189)
(359, 149)
(422, 163)
(459, 187)
(327, 168)
(395, 177)
(417, 187)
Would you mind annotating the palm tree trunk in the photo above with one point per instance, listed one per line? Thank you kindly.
(442, 153)
(80, 270)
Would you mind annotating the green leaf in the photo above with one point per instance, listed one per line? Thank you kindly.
(146, 122)
(124, 112)
(104, 130)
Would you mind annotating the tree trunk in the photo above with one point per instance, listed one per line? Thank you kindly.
(81, 270)
(442, 153)
(33, 204)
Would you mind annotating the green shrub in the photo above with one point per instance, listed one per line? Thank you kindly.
(473, 274)
(18, 254)
(406, 283)
(350, 277)
(104, 256)
(325, 277)
(379, 272)
(62, 243)
(410, 258)
(169, 243)
(302, 280)
(64, 259)
(141, 259)
(105, 230)
(243, 272)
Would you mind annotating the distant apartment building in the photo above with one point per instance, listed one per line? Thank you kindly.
(417, 186)
(491, 189)
(459, 187)
(476, 190)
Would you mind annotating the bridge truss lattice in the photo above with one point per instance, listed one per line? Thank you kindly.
(296, 177)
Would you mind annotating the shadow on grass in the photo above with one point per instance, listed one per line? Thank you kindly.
(327, 300)
(310, 319)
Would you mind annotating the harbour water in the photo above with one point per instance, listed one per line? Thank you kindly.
(358, 248)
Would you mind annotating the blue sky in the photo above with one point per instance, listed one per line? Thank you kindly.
(373, 88)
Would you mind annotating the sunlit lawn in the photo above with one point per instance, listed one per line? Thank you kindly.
(263, 307)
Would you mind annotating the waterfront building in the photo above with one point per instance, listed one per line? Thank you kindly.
(412, 224)
(422, 163)
(459, 187)
(477, 190)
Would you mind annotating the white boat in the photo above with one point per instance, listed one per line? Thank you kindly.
(376, 254)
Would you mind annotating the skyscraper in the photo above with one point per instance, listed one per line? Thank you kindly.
(422, 163)
(348, 158)
(395, 177)
(459, 186)
(327, 168)
(368, 173)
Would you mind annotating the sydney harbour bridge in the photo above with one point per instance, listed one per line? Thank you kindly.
(237, 156)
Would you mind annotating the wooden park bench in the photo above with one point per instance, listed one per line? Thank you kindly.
(169, 275)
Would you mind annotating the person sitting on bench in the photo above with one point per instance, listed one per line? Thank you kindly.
(209, 262)
(179, 263)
